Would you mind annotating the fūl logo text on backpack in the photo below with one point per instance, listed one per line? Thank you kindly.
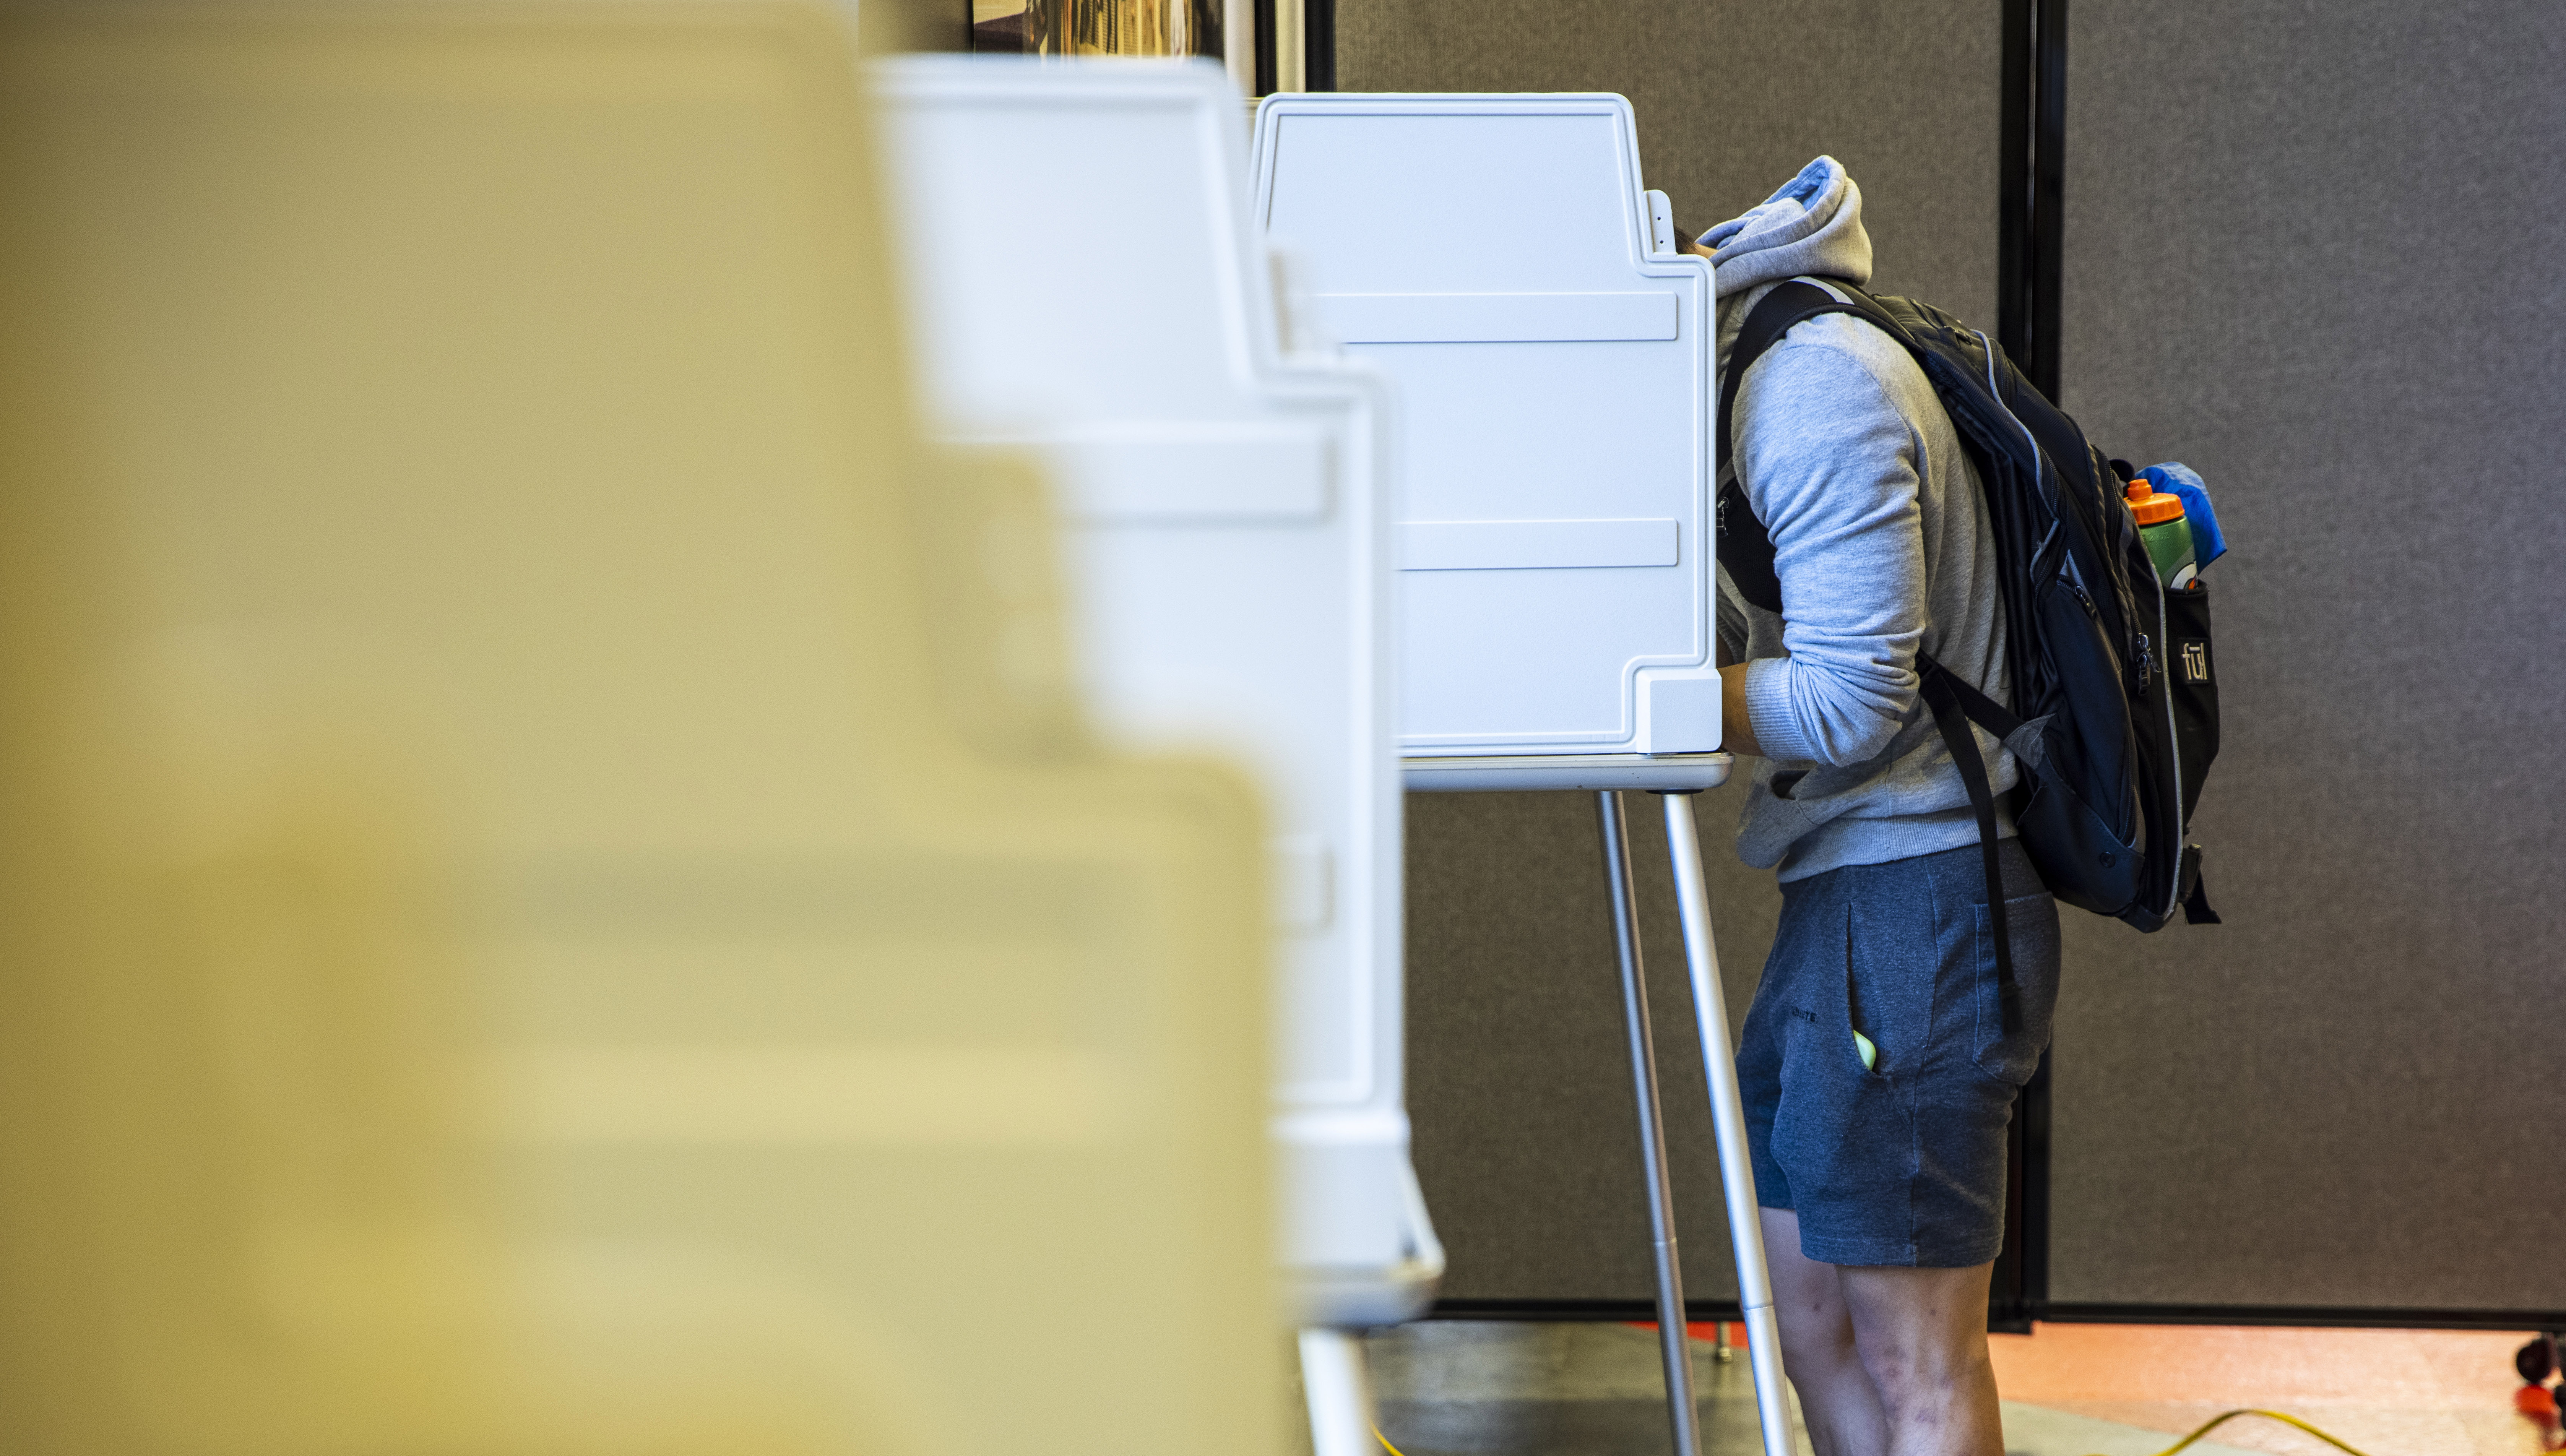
(2196, 661)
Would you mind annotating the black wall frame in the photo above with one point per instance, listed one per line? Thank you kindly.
(1319, 33)
(1318, 45)
(2030, 237)
(2029, 265)
(1264, 47)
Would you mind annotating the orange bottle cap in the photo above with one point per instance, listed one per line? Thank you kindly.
(2153, 509)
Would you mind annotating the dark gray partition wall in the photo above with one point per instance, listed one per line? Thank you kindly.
(2310, 250)
(1733, 98)
(1518, 1084)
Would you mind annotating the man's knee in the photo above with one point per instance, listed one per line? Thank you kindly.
(1922, 1370)
(1919, 1330)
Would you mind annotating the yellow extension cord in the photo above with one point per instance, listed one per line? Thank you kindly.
(2206, 1427)
(2203, 1429)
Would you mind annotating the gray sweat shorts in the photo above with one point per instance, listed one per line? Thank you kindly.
(1903, 1163)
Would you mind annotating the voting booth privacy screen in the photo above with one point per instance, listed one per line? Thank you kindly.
(1085, 290)
(1495, 256)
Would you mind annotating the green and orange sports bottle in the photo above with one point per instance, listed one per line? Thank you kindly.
(2167, 534)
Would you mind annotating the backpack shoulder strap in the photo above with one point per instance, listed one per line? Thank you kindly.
(1746, 550)
(1942, 693)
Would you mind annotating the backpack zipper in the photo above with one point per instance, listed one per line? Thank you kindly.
(2173, 762)
(2115, 561)
(1995, 391)
(2144, 666)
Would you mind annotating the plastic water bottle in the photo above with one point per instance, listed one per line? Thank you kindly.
(2167, 534)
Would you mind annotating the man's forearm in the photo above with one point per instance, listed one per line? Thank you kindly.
(1737, 734)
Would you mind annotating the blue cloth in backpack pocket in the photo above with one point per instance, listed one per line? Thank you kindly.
(2175, 478)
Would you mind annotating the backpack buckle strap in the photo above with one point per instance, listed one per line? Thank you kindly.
(1942, 692)
(1980, 709)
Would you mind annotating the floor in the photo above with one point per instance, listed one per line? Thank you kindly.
(1450, 1388)
(2390, 1392)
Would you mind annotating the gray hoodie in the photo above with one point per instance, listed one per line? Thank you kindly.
(1882, 544)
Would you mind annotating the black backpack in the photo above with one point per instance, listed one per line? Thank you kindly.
(2115, 713)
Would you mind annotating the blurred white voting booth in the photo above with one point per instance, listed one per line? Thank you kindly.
(1086, 287)
(1499, 260)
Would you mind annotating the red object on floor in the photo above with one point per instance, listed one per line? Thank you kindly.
(1705, 1330)
(2536, 1401)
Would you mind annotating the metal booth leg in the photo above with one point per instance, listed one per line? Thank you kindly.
(1728, 1120)
(1339, 1389)
(1674, 1344)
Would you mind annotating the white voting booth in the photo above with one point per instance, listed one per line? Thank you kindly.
(1492, 255)
(1499, 259)
(1085, 282)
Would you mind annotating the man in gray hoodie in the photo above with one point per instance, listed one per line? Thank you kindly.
(1877, 1072)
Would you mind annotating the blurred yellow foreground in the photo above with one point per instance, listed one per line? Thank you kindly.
(555, 900)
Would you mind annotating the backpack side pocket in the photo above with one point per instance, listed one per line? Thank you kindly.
(2192, 675)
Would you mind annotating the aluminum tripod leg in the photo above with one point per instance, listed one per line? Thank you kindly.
(1339, 1390)
(1728, 1120)
(1674, 1344)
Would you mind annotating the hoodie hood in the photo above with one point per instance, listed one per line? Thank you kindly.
(1813, 225)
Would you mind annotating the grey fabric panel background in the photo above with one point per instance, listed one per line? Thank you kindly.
(1518, 1074)
(1518, 1084)
(1734, 98)
(2309, 251)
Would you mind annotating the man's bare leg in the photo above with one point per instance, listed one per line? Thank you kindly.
(1922, 1336)
(1837, 1397)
